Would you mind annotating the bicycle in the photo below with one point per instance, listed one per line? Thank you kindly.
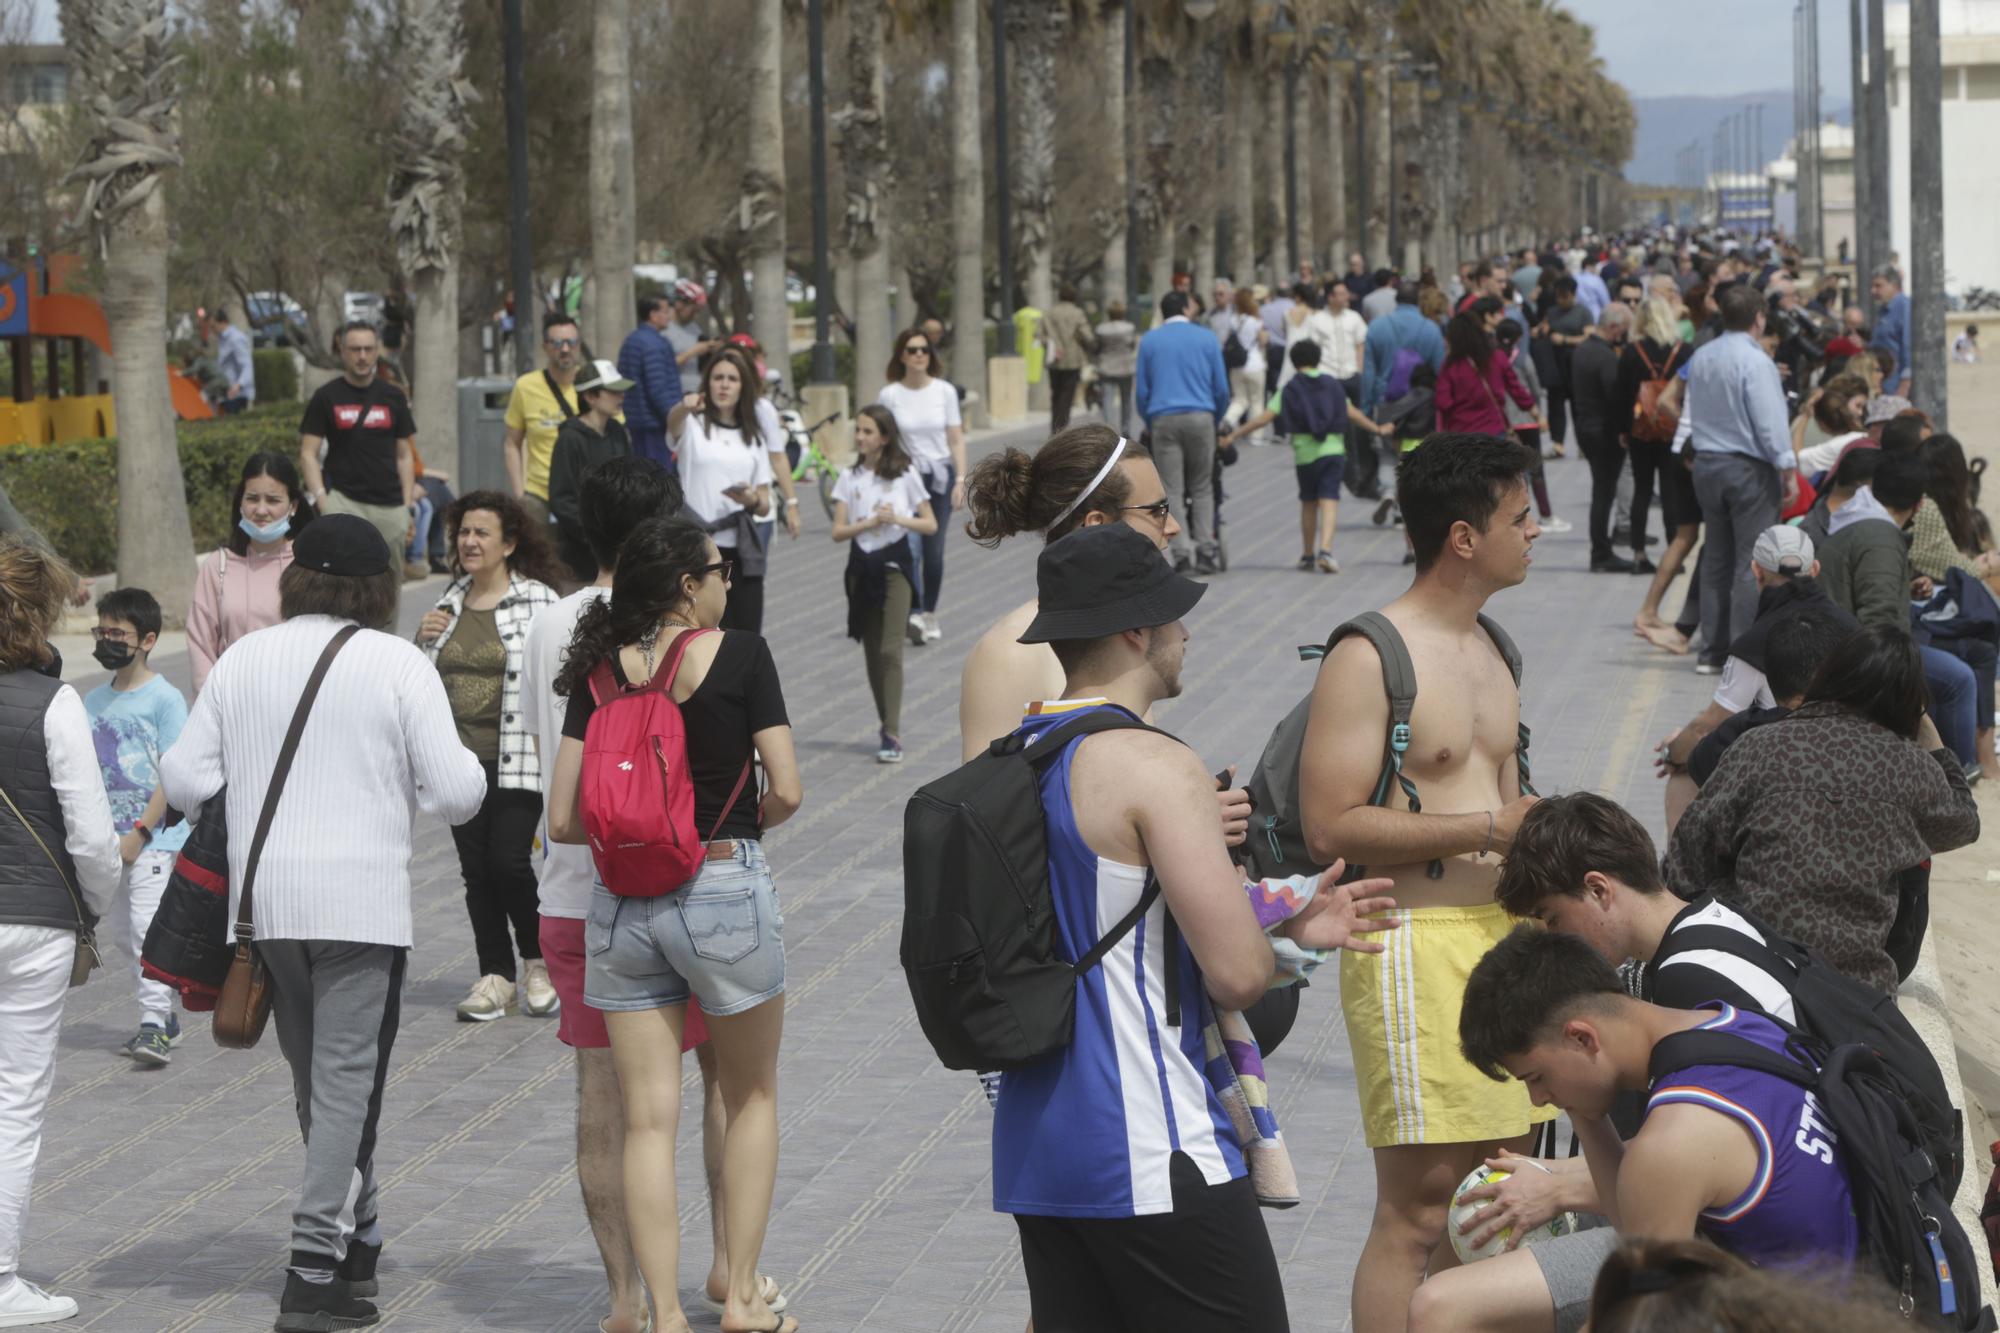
(808, 459)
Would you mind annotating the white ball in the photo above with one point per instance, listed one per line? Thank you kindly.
(1461, 1243)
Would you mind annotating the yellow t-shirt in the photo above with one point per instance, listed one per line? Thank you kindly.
(533, 410)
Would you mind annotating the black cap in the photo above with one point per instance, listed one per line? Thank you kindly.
(345, 544)
(1104, 580)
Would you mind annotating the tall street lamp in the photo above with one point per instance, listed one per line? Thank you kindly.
(823, 371)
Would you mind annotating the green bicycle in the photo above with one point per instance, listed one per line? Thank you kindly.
(808, 459)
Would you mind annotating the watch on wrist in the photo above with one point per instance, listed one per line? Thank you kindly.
(145, 834)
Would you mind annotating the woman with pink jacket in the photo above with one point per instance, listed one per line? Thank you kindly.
(1476, 379)
(236, 586)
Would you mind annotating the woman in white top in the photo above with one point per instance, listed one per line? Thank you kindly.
(48, 768)
(925, 406)
(332, 909)
(1246, 382)
(725, 468)
(876, 504)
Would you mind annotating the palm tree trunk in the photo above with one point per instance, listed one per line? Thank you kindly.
(761, 207)
(1334, 153)
(1271, 167)
(1115, 279)
(120, 54)
(426, 197)
(1312, 118)
(1241, 165)
(1035, 29)
(1376, 225)
(968, 208)
(613, 222)
(864, 157)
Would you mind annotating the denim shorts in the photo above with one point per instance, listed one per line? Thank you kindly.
(719, 937)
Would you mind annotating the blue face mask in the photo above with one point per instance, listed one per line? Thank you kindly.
(269, 533)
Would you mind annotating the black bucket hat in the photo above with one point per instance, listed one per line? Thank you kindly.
(1104, 580)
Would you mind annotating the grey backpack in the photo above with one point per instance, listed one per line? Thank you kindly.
(1276, 845)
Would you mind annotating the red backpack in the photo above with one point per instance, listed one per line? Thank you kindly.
(637, 794)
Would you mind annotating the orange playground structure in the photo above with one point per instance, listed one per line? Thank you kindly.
(45, 331)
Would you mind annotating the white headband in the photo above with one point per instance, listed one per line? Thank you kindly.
(1095, 482)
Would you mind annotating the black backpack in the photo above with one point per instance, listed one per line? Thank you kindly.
(1834, 1009)
(1908, 1233)
(979, 921)
(1276, 845)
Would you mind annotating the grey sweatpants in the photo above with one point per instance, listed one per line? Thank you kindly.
(336, 1005)
(1740, 497)
(1184, 452)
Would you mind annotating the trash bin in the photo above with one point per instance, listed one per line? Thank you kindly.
(482, 434)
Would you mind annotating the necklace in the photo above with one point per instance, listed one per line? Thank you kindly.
(652, 636)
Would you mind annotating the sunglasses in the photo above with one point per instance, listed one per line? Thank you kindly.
(564, 342)
(722, 567)
(916, 350)
(1158, 510)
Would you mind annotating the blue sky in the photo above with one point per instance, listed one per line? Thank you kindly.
(1658, 48)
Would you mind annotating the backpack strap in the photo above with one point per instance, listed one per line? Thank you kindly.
(1684, 1050)
(1399, 683)
(1512, 657)
(1051, 742)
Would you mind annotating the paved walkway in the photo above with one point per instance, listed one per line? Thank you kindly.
(163, 1198)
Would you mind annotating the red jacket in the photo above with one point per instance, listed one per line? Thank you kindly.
(1464, 403)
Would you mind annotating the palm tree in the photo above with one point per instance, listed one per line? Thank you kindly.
(761, 189)
(1035, 29)
(118, 53)
(864, 157)
(1112, 18)
(613, 221)
(968, 208)
(1240, 116)
(426, 197)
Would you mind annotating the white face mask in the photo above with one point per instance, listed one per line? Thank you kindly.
(269, 532)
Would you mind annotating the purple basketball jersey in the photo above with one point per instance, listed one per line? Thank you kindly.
(1798, 1208)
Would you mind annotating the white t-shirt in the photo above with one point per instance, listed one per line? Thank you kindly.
(1819, 457)
(770, 430)
(863, 490)
(923, 415)
(712, 460)
(1743, 686)
(566, 871)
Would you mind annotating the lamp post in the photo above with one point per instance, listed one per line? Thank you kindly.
(823, 371)
(1927, 355)
(520, 248)
(1131, 150)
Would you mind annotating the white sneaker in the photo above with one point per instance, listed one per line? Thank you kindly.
(538, 993)
(931, 631)
(1555, 523)
(490, 998)
(917, 628)
(23, 1303)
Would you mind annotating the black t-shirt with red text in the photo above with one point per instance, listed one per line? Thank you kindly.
(361, 427)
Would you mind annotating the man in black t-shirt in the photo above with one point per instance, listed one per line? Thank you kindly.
(364, 422)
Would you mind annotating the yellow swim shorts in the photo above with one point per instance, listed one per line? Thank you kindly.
(1402, 1009)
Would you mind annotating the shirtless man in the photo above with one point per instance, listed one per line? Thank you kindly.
(1428, 1115)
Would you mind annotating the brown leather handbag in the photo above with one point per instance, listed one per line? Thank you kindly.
(245, 1003)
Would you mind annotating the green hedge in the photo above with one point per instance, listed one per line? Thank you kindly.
(277, 375)
(843, 366)
(70, 490)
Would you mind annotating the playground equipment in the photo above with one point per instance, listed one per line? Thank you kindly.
(64, 398)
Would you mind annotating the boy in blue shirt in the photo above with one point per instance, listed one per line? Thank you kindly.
(1313, 410)
(134, 720)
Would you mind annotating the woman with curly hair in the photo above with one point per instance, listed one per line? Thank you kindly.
(503, 572)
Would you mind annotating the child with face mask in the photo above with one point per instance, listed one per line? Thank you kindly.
(134, 719)
(236, 586)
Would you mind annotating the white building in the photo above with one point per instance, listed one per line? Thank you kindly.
(1970, 56)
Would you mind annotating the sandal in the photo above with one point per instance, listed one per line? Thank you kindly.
(767, 1287)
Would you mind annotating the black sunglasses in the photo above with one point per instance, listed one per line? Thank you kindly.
(1159, 509)
(916, 349)
(722, 567)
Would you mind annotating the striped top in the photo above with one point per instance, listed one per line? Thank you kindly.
(1798, 1208)
(380, 744)
(1091, 1131)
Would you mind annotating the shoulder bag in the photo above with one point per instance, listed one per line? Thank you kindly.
(244, 1005)
(86, 959)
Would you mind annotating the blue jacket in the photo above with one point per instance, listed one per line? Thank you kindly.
(1405, 326)
(1892, 330)
(648, 362)
(1180, 370)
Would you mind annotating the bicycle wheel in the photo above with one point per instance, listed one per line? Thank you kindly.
(826, 480)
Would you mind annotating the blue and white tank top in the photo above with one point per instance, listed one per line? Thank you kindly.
(1798, 1208)
(1090, 1131)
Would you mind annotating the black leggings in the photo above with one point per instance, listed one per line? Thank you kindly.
(746, 604)
(500, 887)
(1650, 460)
(1606, 458)
(1559, 417)
(1531, 440)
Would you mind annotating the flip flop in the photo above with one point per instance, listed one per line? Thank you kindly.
(647, 1327)
(767, 1286)
(779, 1327)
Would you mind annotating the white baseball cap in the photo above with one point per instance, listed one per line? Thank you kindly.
(602, 375)
(1783, 549)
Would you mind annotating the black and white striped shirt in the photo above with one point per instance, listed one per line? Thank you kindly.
(1714, 952)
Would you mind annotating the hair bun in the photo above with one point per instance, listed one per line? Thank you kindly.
(998, 495)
